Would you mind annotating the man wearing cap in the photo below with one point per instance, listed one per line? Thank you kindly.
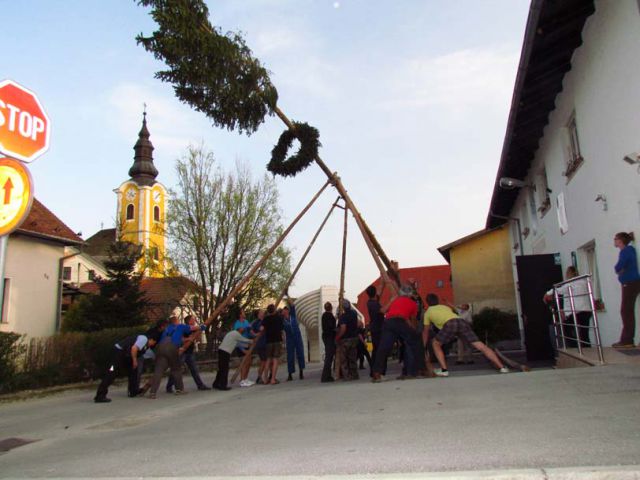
(347, 341)
(400, 323)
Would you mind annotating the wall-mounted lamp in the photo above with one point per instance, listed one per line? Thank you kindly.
(509, 183)
(632, 158)
(602, 198)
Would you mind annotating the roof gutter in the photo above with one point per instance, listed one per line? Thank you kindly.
(525, 55)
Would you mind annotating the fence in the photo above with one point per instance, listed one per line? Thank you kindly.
(575, 306)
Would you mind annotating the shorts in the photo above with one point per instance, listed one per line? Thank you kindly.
(274, 350)
(238, 352)
(261, 351)
(456, 328)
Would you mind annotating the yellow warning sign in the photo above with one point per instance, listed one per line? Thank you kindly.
(16, 194)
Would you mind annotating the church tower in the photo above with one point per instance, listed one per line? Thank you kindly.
(142, 206)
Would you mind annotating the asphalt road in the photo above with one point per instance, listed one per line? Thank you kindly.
(538, 420)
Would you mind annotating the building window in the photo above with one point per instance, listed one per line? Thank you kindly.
(130, 211)
(589, 265)
(574, 156)
(92, 275)
(66, 273)
(156, 214)
(440, 283)
(5, 300)
(154, 254)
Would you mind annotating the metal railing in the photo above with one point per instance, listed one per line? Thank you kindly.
(567, 328)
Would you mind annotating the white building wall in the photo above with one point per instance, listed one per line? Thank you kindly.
(32, 269)
(80, 266)
(602, 88)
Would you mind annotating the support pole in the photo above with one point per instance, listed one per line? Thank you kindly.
(344, 262)
(383, 273)
(304, 255)
(264, 258)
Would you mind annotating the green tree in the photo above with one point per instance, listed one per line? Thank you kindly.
(220, 224)
(120, 302)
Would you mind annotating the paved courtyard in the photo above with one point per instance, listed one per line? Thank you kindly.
(539, 420)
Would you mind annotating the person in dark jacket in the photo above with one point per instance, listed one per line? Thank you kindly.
(124, 358)
(329, 341)
(347, 341)
(376, 322)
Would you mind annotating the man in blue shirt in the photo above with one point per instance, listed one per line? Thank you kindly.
(168, 354)
(295, 347)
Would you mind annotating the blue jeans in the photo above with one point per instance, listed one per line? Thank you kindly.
(190, 360)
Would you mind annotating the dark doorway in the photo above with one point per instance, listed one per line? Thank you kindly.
(536, 275)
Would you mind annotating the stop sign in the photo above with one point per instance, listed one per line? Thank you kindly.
(24, 125)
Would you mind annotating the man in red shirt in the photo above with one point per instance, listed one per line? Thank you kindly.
(400, 323)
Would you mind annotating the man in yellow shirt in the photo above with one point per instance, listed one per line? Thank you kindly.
(450, 327)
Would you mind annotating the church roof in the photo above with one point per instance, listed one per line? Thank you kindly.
(143, 171)
(42, 223)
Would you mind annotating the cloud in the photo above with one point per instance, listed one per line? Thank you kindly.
(171, 123)
(459, 80)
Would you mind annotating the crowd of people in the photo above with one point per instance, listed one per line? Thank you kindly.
(404, 322)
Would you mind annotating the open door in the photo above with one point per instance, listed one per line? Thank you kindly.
(536, 275)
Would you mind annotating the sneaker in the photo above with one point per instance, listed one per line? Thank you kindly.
(289, 378)
(180, 392)
(204, 387)
(504, 370)
(246, 383)
(328, 380)
(440, 372)
(623, 345)
(101, 400)
(378, 378)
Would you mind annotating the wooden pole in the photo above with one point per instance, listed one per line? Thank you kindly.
(344, 262)
(343, 193)
(304, 255)
(264, 258)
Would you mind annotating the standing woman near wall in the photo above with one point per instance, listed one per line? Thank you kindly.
(627, 271)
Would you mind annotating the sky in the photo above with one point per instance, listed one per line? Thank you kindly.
(411, 99)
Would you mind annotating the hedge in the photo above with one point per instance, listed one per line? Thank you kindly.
(56, 360)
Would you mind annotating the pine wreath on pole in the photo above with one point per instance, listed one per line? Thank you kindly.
(309, 139)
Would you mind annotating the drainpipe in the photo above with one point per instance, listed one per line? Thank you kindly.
(515, 275)
(517, 220)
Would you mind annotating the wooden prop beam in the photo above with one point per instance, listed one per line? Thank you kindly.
(264, 258)
(344, 262)
(349, 203)
(304, 255)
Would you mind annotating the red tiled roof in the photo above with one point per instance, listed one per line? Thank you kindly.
(427, 278)
(42, 223)
(165, 290)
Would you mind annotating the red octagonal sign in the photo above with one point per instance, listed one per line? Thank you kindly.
(24, 125)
